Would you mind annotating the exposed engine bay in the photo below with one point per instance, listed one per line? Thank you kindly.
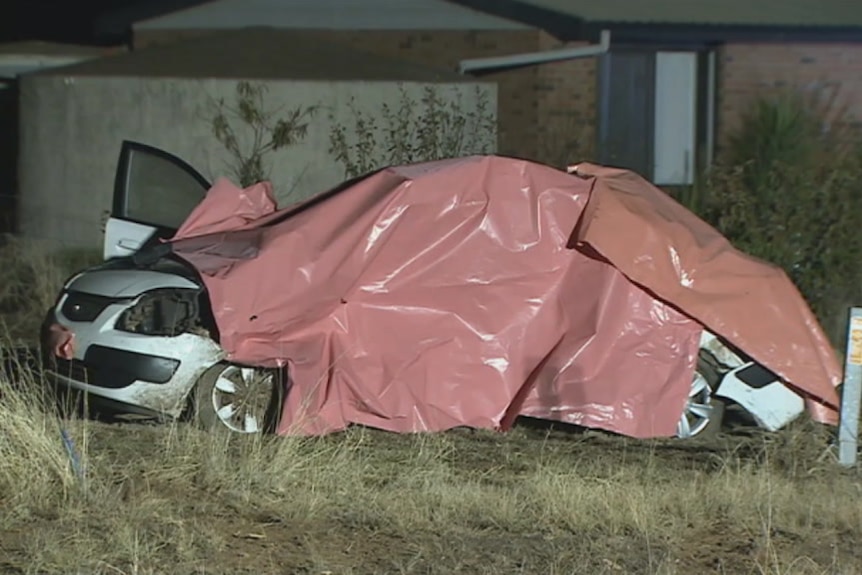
(164, 312)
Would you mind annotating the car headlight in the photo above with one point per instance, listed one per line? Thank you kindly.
(163, 312)
(84, 307)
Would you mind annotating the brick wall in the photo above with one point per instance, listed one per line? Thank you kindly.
(746, 71)
(544, 112)
(567, 106)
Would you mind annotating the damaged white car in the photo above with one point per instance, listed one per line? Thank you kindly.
(136, 334)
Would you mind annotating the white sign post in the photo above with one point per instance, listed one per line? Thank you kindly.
(848, 427)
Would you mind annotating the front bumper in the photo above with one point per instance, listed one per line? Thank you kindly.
(112, 368)
(133, 373)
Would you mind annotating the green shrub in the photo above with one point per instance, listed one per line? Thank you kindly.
(787, 189)
(261, 130)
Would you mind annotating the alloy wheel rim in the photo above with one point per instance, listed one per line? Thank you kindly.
(698, 410)
(240, 398)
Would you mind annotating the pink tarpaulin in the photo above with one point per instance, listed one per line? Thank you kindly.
(466, 292)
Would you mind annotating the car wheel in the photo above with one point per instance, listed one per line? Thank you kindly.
(241, 399)
(703, 413)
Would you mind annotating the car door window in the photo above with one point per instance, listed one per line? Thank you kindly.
(156, 188)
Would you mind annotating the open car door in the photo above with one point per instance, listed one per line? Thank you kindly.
(154, 192)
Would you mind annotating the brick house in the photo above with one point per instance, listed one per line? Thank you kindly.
(659, 98)
(679, 73)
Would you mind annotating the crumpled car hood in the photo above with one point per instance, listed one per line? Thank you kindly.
(467, 292)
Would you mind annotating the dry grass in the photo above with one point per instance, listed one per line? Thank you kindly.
(33, 272)
(171, 499)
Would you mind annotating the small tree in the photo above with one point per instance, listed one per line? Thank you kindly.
(267, 130)
(431, 128)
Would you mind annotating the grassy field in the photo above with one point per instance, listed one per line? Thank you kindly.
(170, 499)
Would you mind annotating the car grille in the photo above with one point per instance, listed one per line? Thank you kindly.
(83, 307)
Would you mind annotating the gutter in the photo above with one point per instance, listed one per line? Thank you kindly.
(13, 65)
(533, 58)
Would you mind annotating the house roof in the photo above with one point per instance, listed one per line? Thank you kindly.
(117, 21)
(257, 53)
(695, 22)
(37, 48)
(332, 15)
(21, 57)
(793, 13)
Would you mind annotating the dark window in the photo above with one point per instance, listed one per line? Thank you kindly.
(655, 112)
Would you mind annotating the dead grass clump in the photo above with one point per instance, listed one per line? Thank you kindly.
(804, 449)
(141, 535)
(34, 271)
(35, 468)
(298, 475)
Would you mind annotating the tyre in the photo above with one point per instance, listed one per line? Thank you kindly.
(240, 399)
(703, 414)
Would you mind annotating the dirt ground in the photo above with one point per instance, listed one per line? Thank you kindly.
(617, 505)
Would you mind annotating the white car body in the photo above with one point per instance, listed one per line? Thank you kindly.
(154, 373)
(765, 397)
(192, 353)
(124, 371)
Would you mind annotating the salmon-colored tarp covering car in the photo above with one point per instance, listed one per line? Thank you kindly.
(467, 292)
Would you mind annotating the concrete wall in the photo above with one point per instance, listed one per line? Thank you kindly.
(72, 128)
(546, 112)
(747, 71)
(567, 103)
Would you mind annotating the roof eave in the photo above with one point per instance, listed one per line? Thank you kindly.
(666, 33)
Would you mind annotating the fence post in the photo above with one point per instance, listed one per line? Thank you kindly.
(848, 427)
